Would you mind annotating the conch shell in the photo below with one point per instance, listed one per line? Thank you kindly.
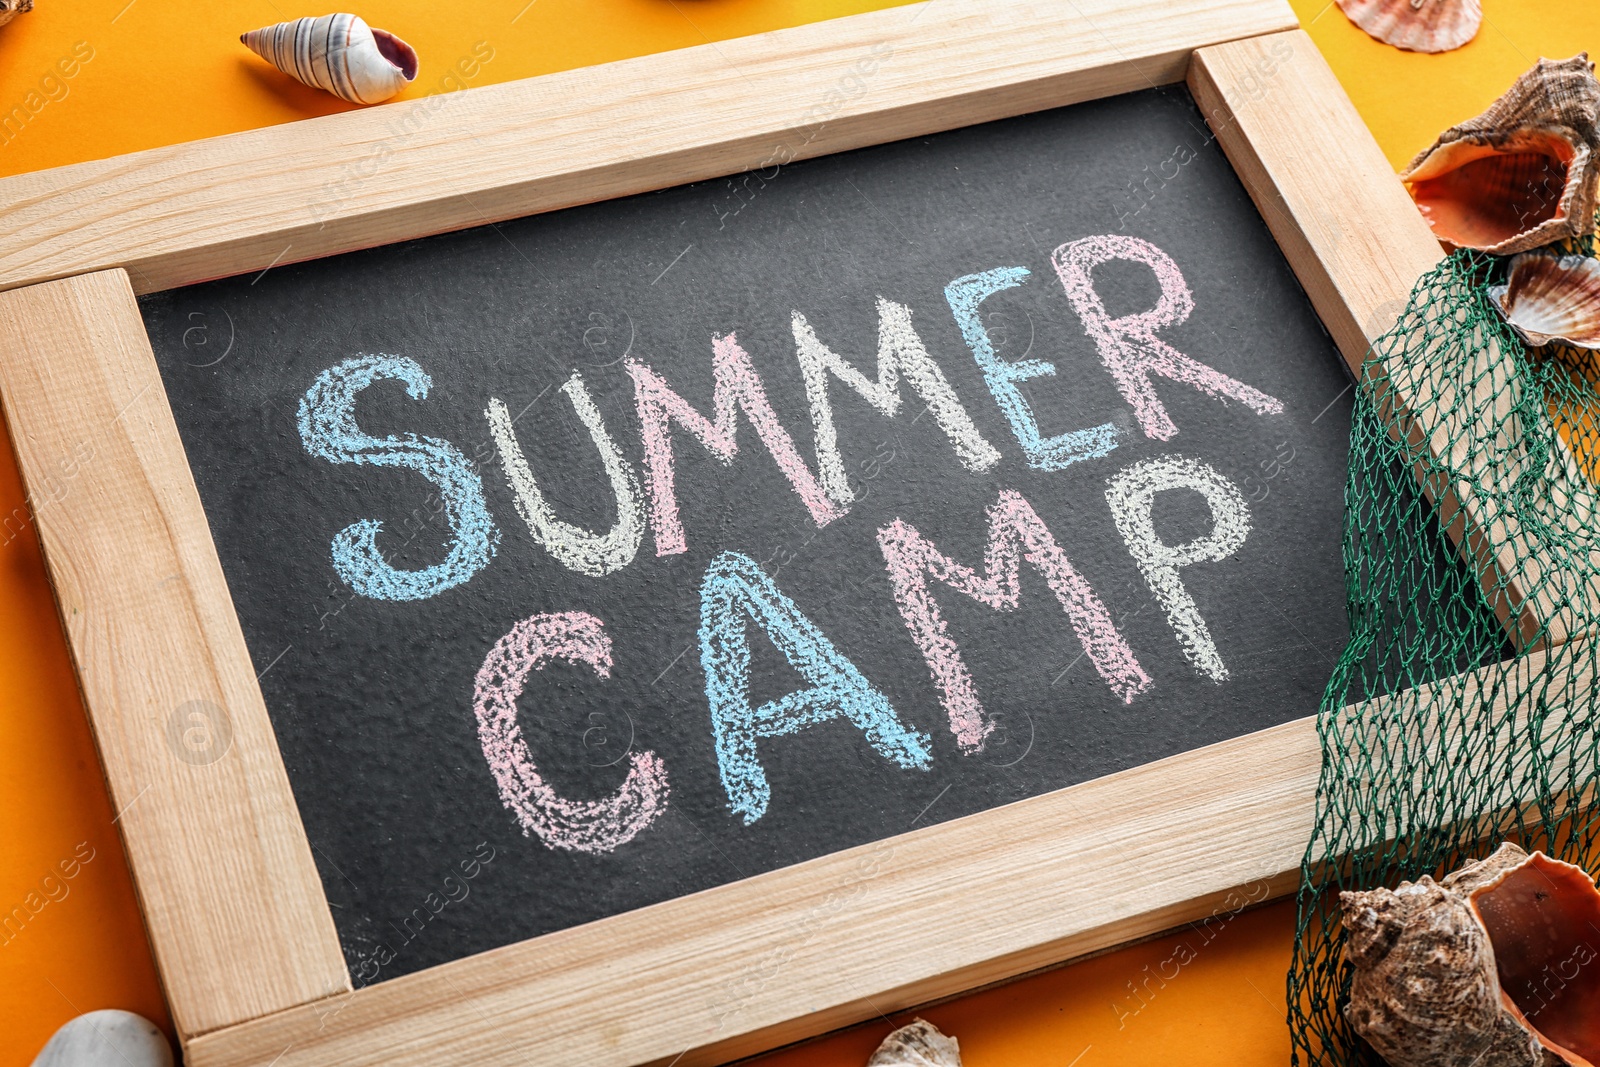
(1546, 299)
(339, 53)
(1496, 966)
(1417, 25)
(1523, 173)
(918, 1044)
(10, 9)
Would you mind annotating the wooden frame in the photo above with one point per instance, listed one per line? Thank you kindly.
(234, 907)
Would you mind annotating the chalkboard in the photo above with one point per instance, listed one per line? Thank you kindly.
(547, 636)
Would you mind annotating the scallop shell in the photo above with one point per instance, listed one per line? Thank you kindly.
(919, 1044)
(1417, 25)
(1496, 966)
(1523, 173)
(1548, 299)
(10, 9)
(339, 53)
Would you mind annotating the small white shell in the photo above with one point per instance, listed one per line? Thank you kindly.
(1552, 300)
(106, 1038)
(339, 53)
(919, 1044)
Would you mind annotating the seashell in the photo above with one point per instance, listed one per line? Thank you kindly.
(1417, 25)
(1547, 299)
(1523, 173)
(106, 1038)
(1495, 966)
(918, 1044)
(10, 9)
(339, 53)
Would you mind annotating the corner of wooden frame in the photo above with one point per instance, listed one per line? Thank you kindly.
(1358, 245)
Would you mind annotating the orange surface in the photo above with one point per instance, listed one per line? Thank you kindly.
(161, 73)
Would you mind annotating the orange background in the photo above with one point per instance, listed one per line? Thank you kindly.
(162, 73)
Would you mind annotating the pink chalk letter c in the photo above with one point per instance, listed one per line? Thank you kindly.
(572, 825)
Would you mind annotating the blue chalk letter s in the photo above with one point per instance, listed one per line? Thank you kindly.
(328, 430)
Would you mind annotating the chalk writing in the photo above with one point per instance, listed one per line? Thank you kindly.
(900, 351)
(1014, 527)
(735, 591)
(736, 588)
(573, 825)
(593, 554)
(737, 388)
(1047, 454)
(1131, 494)
(328, 430)
(1128, 345)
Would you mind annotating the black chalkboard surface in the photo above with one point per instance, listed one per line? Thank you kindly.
(594, 559)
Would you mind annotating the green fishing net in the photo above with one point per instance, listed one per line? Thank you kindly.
(1462, 713)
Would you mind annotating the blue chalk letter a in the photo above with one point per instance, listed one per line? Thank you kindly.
(735, 586)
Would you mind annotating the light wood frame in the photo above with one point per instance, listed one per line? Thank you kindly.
(233, 904)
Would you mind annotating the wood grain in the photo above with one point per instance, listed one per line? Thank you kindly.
(880, 928)
(228, 205)
(231, 898)
(1345, 223)
(1358, 244)
(786, 955)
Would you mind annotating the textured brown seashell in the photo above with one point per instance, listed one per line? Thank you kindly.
(339, 53)
(1495, 966)
(1523, 173)
(919, 1044)
(1548, 299)
(10, 9)
(1417, 25)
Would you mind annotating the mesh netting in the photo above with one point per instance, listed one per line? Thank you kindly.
(1462, 712)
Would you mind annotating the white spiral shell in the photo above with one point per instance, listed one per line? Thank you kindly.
(339, 53)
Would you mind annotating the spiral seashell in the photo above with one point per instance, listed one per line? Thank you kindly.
(1546, 299)
(1417, 25)
(339, 53)
(1522, 174)
(918, 1044)
(1498, 965)
(10, 9)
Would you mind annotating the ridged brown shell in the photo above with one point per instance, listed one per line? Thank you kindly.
(10, 9)
(1547, 299)
(1417, 25)
(918, 1044)
(1522, 174)
(1498, 965)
